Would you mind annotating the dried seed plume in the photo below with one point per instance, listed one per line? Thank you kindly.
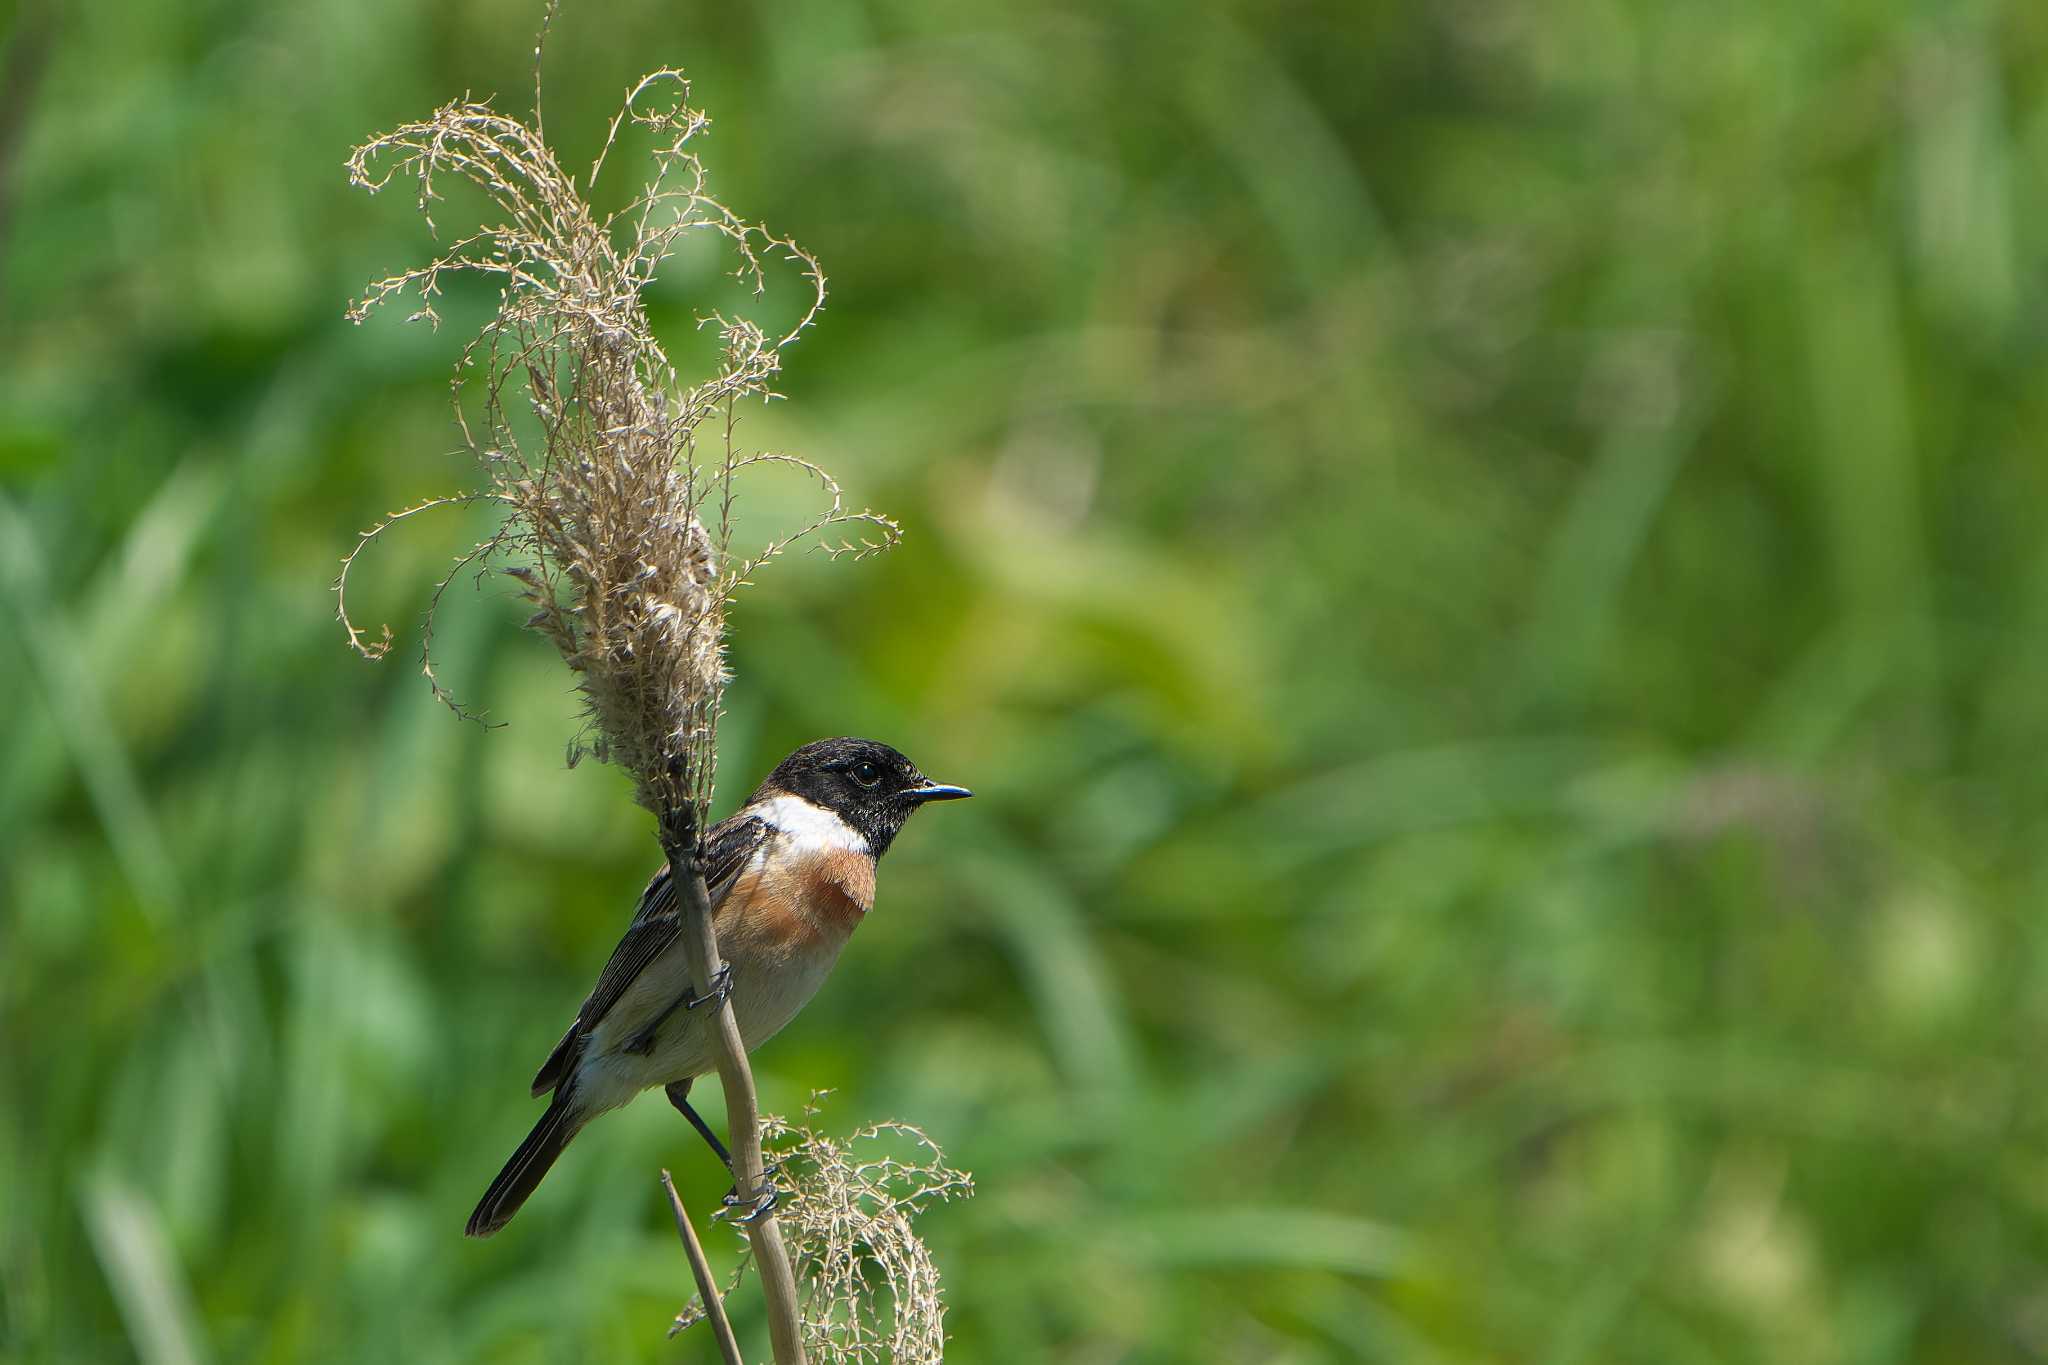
(616, 477)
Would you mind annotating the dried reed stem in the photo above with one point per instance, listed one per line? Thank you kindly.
(742, 1105)
(700, 1270)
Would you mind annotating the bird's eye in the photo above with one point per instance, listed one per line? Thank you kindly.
(867, 774)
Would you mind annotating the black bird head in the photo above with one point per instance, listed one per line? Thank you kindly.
(867, 784)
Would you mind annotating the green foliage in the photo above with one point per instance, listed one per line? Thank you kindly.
(1483, 560)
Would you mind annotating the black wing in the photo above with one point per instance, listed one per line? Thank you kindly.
(656, 924)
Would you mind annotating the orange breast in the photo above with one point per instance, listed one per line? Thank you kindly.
(842, 885)
(789, 906)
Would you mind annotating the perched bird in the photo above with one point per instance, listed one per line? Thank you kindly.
(790, 874)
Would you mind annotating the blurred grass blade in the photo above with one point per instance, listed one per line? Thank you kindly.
(1604, 530)
(147, 1284)
(1071, 987)
(120, 606)
(1423, 789)
(1281, 1239)
(78, 708)
(1314, 198)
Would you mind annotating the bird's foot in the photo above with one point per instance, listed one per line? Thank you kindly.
(642, 1041)
(721, 987)
(745, 1212)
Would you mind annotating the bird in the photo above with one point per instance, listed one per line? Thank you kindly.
(790, 874)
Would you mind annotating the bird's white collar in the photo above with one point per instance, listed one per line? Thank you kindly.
(810, 824)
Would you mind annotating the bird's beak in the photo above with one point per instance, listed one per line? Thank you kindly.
(936, 791)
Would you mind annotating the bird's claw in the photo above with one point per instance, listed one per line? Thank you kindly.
(721, 987)
(755, 1209)
(642, 1043)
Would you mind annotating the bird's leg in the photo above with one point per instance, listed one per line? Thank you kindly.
(679, 1096)
(642, 1041)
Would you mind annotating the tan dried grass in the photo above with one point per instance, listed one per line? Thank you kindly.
(870, 1289)
(621, 518)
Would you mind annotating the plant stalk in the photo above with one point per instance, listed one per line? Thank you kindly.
(700, 1269)
(742, 1107)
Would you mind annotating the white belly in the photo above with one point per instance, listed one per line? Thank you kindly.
(763, 1001)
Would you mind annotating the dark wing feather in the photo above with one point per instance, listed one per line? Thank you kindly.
(656, 925)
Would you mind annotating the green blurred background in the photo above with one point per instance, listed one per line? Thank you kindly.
(1484, 558)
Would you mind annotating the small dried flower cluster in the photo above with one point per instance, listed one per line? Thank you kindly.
(870, 1289)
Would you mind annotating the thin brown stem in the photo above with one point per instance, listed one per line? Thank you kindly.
(700, 1268)
(742, 1107)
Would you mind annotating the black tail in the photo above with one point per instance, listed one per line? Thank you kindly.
(524, 1171)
